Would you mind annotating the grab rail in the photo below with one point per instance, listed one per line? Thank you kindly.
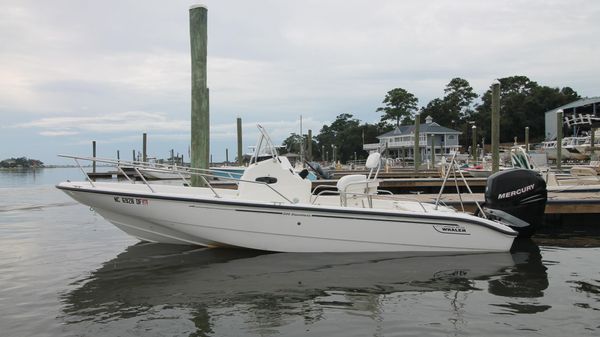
(139, 166)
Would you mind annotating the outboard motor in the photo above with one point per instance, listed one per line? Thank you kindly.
(516, 197)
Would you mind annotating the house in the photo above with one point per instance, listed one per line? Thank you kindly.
(400, 141)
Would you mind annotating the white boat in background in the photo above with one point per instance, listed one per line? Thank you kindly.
(274, 209)
(573, 148)
(165, 173)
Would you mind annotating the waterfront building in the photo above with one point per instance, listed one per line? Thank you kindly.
(400, 141)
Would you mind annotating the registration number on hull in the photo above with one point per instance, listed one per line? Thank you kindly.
(131, 201)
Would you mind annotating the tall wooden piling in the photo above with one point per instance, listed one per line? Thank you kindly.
(593, 144)
(495, 126)
(559, 136)
(133, 155)
(227, 156)
(94, 155)
(432, 150)
(144, 148)
(240, 154)
(309, 146)
(474, 145)
(200, 136)
(527, 139)
(416, 148)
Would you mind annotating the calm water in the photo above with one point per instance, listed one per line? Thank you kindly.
(64, 271)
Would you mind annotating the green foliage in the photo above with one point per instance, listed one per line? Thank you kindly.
(455, 108)
(522, 103)
(295, 142)
(459, 98)
(399, 104)
(22, 162)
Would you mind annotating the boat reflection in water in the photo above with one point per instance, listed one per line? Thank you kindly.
(155, 281)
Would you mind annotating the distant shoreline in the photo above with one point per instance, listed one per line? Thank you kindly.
(44, 167)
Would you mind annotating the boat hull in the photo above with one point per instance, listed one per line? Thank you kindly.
(209, 221)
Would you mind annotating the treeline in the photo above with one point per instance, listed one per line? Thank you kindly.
(22, 162)
(522, 103)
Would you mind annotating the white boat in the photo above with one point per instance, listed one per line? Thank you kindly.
(165, 173)
(573, 148)
(274, 209)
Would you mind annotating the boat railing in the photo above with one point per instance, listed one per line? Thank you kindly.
(139, 167)
(327, 190)
(454, 167)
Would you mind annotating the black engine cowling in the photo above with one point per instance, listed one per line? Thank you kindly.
(518, 198)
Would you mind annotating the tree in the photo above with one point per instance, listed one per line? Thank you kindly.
(291, 144)
(344, 136)
(438, 110)
(294, 142)
(399, 103)
(459, 98)
(522, 103)
(21, 162)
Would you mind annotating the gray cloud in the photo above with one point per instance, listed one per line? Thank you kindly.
(275, 60)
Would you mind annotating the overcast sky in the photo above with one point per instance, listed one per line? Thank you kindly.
(76, 71)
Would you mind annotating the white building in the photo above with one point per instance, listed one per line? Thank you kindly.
(401, 140)
(583, 106)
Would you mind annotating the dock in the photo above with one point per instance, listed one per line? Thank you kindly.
(562, 208)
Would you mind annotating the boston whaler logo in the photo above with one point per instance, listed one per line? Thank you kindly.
(515, 192)
(451, 229)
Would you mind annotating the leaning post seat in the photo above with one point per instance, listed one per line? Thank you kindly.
(356, 185)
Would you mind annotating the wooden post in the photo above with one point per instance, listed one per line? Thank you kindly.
(118, 157)
(593, 144)
(309, 146)
(527, 139)
(227, 156)
(559, 136)
(474, 145)
(144, 147)
(240, 155)
(432, 151)
(333, 153)
(495, 126)
(94, 155)
(133, 155)
(416, 148)
(200, 136)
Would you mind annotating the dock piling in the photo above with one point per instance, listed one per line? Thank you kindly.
(200, 131)
(94, 155)
(593, 144)
(239, 142)
(417, 149)
(474, 145)
(309, 146)
(495, 126)
(559, 135)
(144, 147)
(527, 139)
